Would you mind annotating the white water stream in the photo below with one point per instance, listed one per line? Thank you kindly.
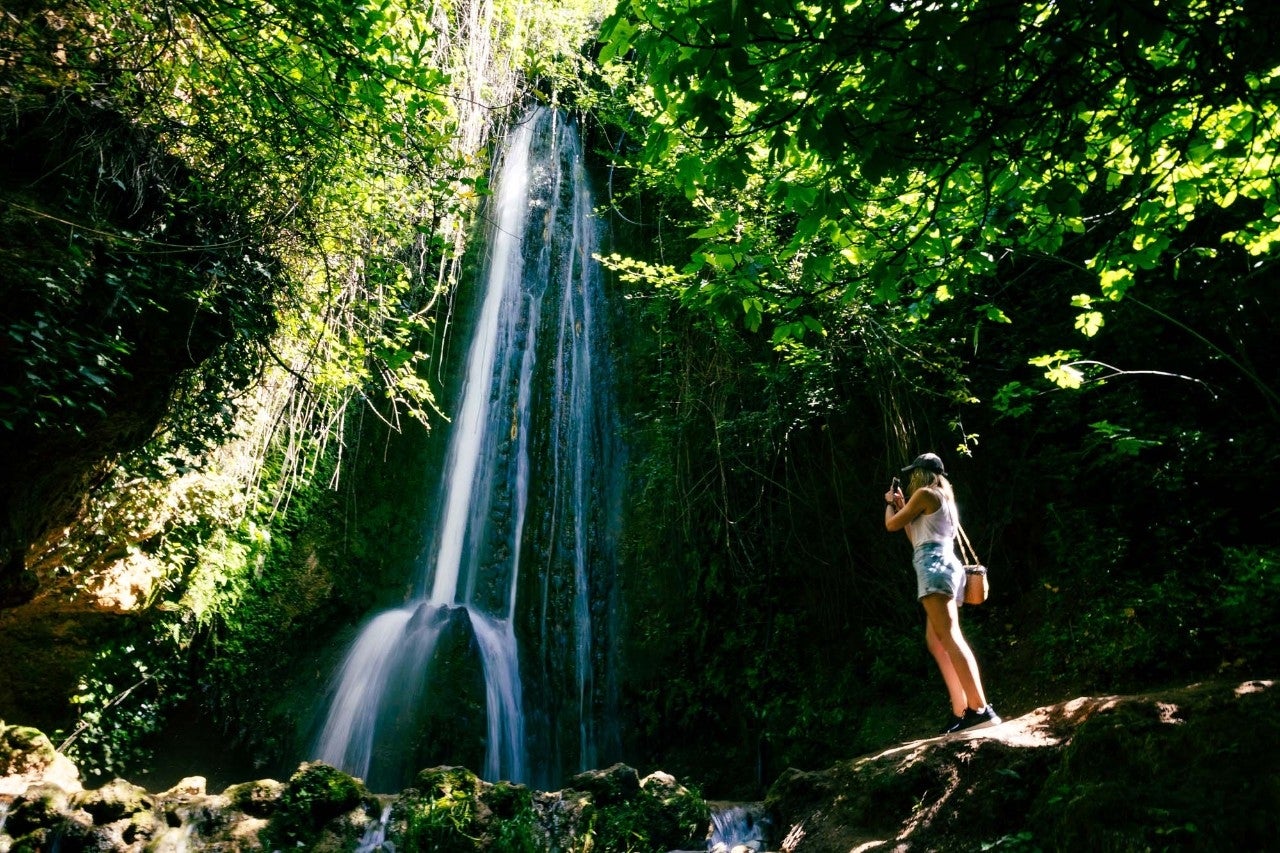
(527, 473)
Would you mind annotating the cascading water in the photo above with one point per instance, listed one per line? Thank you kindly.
(518, 577)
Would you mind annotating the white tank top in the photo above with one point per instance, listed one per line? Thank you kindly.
(937, 526)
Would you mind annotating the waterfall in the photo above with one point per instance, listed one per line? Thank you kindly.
(738, 827)
(517, 577)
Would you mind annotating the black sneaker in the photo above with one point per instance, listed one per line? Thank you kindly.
(983, 718)
(955, 725)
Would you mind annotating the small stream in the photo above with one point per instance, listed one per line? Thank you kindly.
(738, 828)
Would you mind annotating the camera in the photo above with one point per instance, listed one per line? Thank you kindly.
(895, 486)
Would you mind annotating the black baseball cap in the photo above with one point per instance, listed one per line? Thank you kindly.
(927, 461)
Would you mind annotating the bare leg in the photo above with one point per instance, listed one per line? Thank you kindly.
(944, 622)
(954, 688)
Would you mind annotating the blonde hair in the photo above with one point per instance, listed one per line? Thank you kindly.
(922, 479)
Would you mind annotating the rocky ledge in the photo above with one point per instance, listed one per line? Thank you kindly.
(1192, 768)
(43, 808)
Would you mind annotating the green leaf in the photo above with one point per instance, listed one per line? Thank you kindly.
(1089, 322)
(1115, 282)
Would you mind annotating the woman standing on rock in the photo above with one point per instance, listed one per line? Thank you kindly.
(928, 516)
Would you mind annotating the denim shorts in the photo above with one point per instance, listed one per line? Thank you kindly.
(938, 571)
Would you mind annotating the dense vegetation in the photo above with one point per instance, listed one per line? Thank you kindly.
(231, 231)
(1036, 238)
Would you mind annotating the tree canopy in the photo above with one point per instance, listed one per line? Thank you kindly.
(844, 154)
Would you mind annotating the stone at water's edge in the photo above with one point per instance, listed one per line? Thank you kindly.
(1190, 768)
(323, 809)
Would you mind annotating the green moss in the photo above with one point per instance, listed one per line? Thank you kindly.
(39, 807)
(445, 815)
(23, 748)
(115, 800)
(661, 816)
(453, 811)
(314, 796)
(259, 798)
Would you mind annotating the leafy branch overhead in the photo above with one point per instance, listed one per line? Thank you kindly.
(911, 154)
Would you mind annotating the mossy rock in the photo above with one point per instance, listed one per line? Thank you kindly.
(444, 812)
(38, 807)
(680, 816)
(315, 796)
(260, 798)
(506, 800)
(514, 826)
(142, 827)
(615, 784)
(113, 801)
(1195, 774)
(626, 814)
(448, 783)
(71, 834)
(24, 750)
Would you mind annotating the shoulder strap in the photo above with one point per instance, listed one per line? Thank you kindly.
(967, 553)
(970, 556)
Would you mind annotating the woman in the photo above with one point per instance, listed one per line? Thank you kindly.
(930, 521)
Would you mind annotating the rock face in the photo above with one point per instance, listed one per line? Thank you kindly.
(1191, 768)
(103, 331)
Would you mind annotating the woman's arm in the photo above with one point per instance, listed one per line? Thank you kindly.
(898, 517)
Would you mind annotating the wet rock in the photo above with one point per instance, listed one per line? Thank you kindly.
(39, 806)
(1070, 776)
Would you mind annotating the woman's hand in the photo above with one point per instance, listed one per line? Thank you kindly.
(903, 512)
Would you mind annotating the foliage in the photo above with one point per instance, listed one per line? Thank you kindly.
(442, 824)
(1245, 605)
(314, 796)
(121, 700)
(915, 154)
(116, 270)
(1013, 233)
(898, 179)
(452, 811)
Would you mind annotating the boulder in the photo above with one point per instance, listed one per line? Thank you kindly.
(115, 800)
(1187, 768)
(260, 798)
(40, 806)
(27, 757)
(610, 786)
